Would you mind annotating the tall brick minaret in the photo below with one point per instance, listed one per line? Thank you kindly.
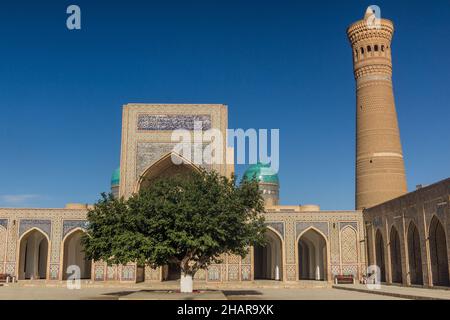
(380, 171)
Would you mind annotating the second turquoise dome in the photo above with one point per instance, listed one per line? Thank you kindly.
(262, 173)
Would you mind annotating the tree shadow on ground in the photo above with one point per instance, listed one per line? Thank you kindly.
(161, 291)
(241, 293)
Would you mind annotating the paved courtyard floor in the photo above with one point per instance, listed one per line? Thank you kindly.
(131, 293)
(398, 291)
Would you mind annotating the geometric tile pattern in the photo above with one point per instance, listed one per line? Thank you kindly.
(54, 271)
(58, 223)
(173, 122)
(4, 223)
(99, 271)
(128, 273)
(278, 226)
(349, 245)
(321, 226)
(26, 224)
(335, 270)
(149, 153)
(350, 270)
(69, 225)
(344, 224)
(291, 272)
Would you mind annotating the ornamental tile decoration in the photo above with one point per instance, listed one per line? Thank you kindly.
(69, 225)
(149, 153)
(99, 272)
(291, 272)
(278, 226)
(4, 223)
(27, 224)
(163, 122)
(233, 272)
(349, 245)
(246, 273)
(335, 270)
(54, 271)
(200, 275)
(353, 224)
(350, 270)
(321, 226)
(128, 273)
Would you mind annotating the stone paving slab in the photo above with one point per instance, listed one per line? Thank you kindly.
(399, 292)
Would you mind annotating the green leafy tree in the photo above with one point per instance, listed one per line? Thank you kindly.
(189, 220)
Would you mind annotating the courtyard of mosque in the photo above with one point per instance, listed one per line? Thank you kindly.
(40, 292)
(258, 290)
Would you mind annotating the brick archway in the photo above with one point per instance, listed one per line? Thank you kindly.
(396, 258)
(438, 253)
(379, 255)
(268, 260)
(414, 255)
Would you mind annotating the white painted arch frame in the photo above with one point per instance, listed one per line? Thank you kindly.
(61, 254)
(47, 272)
(283, 255)
(327, 244)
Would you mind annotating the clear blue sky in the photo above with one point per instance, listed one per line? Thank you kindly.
(276, 64)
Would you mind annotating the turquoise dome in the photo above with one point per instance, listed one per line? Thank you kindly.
(262, 173)
(115, 178)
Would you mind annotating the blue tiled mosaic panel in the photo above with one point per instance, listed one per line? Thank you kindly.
(321, 226)
(99, 272)
(278, 226)
(69, 225)
(54, 271)
(246, 273)
(172, 122)
(44, 225)
(128, 273)
(148, 153)
(4, 223)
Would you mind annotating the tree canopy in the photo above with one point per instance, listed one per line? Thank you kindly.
(190, 219)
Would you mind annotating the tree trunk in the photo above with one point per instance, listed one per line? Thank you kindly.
(186, 283)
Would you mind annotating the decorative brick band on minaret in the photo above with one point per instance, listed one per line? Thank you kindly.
(380, 170)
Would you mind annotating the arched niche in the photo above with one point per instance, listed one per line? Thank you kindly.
(33, 255)
(312, 256)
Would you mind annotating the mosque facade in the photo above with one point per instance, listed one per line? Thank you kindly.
(405, 235)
